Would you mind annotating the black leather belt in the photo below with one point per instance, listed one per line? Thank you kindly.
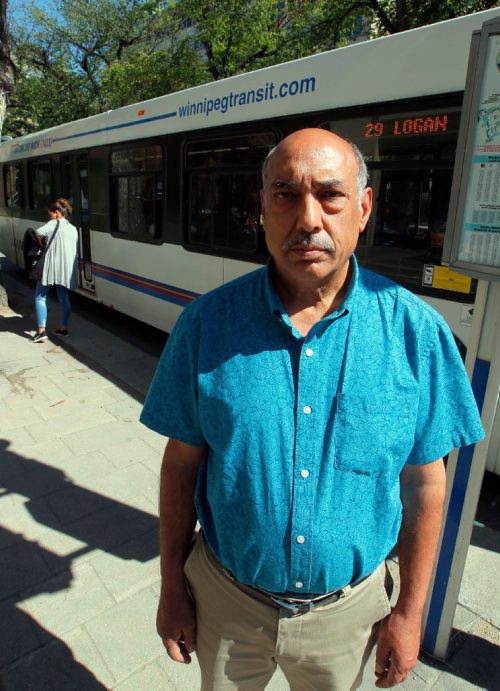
(296, 606)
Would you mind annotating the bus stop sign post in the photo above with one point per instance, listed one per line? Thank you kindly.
(472, 246)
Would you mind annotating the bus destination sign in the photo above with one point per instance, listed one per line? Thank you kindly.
(407, 125)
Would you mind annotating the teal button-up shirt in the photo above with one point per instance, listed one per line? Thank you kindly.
(307, 436)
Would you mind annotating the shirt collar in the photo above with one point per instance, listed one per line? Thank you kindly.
(277, 309)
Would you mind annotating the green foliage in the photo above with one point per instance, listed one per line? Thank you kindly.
(146, 75)
(81, 57)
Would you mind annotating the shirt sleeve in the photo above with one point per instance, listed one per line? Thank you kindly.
(448, 415)
(47, 230)
(171, 406)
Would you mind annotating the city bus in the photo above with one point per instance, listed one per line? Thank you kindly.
(165, 192)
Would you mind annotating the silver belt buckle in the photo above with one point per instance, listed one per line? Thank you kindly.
(304, 607)
(295, 607)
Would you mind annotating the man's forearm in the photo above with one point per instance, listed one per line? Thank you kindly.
(176, 619)
(422, 495)
(418, 539)
(177, 510)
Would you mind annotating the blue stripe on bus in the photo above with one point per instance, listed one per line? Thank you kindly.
(164, 116)
(162, 291)
(453, 518)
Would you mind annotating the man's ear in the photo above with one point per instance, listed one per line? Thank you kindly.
(263, 208)
(366, 207)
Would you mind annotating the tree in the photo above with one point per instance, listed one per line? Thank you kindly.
(65, 52)
(81, 57)
(385, 17)
(242, 35)
(7, 70)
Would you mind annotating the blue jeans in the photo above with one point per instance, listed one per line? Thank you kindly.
(41, 293)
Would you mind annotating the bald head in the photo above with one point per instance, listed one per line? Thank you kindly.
(316, 140)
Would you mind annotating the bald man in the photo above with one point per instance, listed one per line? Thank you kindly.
(308, 405)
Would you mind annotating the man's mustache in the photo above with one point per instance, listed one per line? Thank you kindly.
(304, 239)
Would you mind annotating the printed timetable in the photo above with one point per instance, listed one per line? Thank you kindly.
(480, 240)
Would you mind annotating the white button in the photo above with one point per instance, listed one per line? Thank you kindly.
(307, 409)
(309, 352)
(304, 473)
(300, 539)
(299, 584)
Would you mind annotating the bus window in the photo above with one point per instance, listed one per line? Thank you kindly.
(40, 179)
(13, 186)
(137, 192)
(410, 157)
(223, 207)
(67, 179)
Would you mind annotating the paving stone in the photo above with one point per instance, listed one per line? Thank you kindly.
(183, 677)
(17, 633)
(125, 410)
(10, 464)
(87, 466)
(34, 479)
(73, 502)
(21, 567)
(17, 439)
(23, 382)
(10, 420)
(85, 652)
(139, 574)
(126, 453)
(29, 519)
(50, 668)
(122, 483)
(153, 463)
(68, 600)
(480, 591)
(64, 407)
(49, 453)
(474, 659)
(15, 401)
(87, 420)
(114, 526)
(102, 436)
(60, 551)
(154, 440)
(83, 381)
(152, 678)
(123, 652)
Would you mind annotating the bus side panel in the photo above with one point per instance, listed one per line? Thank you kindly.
(152, 283)
(7, 245)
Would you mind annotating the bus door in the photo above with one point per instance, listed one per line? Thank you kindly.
(75, 188)
(408, 222)
(82, 205)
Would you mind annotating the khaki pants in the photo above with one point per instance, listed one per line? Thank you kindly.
(240, 640)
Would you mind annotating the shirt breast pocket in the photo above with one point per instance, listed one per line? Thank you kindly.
(373, 436)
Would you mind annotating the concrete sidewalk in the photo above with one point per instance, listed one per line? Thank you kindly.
(79, 565)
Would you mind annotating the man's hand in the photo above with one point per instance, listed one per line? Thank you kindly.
(397, 649)
(176, 624)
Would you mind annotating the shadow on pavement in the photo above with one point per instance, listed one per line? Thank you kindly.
(28, 569)
(142, 344)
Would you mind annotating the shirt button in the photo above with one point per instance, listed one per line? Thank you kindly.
(304, 473)
(307, 409)
(299, 584)
(309, 352)
(300, 539)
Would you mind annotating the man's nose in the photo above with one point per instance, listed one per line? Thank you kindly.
(309, 218)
